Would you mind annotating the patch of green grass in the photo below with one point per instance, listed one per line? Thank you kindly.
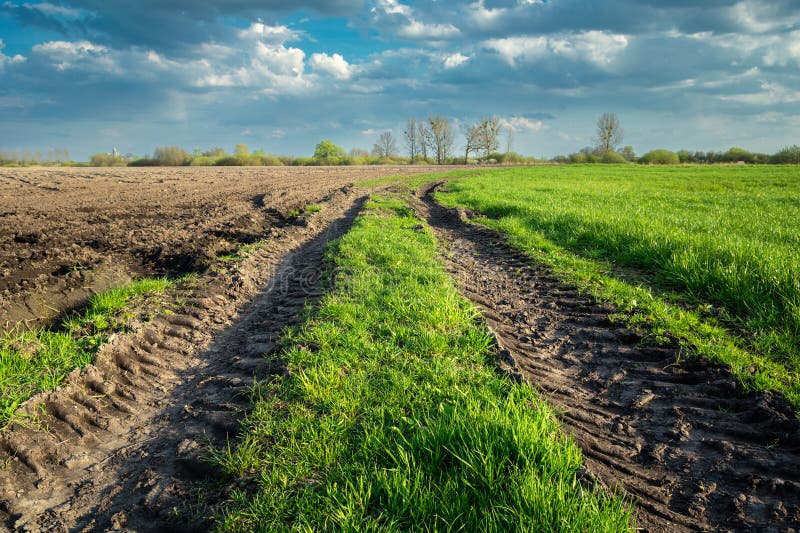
(708, 254)
(392, 416)
(39, 360)
(313, 208)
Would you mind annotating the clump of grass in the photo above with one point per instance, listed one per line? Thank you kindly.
(39, 360)
(393, 418)
(313, 208)
(242, 252)
(717, 250)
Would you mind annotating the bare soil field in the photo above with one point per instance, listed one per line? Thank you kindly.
(683, 439)
(68, 232)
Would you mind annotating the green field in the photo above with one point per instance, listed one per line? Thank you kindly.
(710, 255)
(392, 416)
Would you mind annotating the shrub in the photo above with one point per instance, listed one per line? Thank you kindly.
(613, 157)
(144, 162)
(171, 156)
(660, 157)
(787, 156)
(735, 155)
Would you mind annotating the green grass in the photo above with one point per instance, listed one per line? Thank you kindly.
(313, 208)
(39, 360)
(392, 416)
(708, 254)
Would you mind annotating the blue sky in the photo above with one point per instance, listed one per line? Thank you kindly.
(90, 75)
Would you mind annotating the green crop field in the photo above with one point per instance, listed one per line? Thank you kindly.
(710, 255)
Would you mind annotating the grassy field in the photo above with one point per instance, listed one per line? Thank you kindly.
(39, 360)
(710, 255)
(392, 417)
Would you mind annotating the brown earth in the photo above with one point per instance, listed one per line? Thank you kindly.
(66, 233)
(682, 438)
(125, 444)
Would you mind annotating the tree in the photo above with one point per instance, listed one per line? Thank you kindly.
(441, 136)
(411, 136)
(609, 132)
(628, 153)
(424, 139)
(489, 135)
(215, 152)
(241, 149)
(170, 156)
(509, 140)
(471, 140)
(386, 146)
(327, 153)
(787, 156)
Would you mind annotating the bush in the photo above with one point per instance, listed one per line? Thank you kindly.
(202, 161)
(787, 156)
(613, 158)
(660, 157)
(735, 155)
(171, 156)
(144, 162)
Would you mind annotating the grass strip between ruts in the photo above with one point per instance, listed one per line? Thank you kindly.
(392, 417)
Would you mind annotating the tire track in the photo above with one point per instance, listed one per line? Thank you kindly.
(124, 445)
(683, 439)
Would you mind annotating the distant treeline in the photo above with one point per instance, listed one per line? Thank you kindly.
(786, 156)
(427, 141)
(50, 156)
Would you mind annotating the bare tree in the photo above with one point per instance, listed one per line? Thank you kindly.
(509, 139)
(472, 135)
(411, 135)
(489, 135)
(609, 133)
(442, 138)
(424, 137)
(386, 145)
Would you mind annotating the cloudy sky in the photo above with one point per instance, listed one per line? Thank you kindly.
(90, 75)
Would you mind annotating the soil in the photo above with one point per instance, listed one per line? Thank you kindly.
(682, 438)
(125, 444)
(66, 233)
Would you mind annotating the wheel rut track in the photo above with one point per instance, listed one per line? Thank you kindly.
(683, 439)
(124, 444)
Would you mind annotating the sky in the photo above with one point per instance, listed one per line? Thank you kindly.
(93, 75)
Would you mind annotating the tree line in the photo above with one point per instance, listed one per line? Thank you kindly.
(431, 140)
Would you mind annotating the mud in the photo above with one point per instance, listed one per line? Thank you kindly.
(66, 233)
(683, 439)
(125, 445)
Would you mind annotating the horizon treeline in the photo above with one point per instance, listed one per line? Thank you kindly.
(425, 141)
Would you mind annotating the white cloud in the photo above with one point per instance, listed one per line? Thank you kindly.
(272, 34)
(65, 55)
(391, 7)
(597, 47)
(333, 65)
(522, 124)
(771, 94)
(51, 9)
(417, 30)
(4, 59)
(455, 60)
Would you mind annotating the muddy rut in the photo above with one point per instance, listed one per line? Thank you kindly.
(681, 438)
(124, 445)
